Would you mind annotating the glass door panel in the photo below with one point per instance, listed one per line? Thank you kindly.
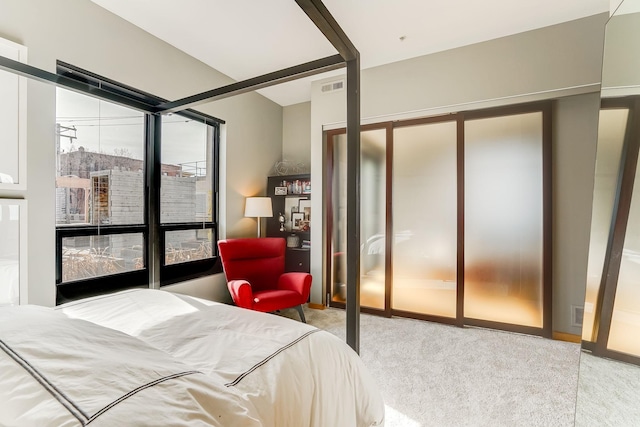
(611, 130)
(372, 219)
(338, 219)
(373, 184)
(425, 219)
(504, 219)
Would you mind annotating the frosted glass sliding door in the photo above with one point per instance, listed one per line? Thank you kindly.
(373, 183)
(611, 131)
(372, 219)
(504, 219)
(425, 219)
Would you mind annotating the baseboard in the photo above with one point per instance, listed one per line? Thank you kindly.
(316, 306)
(562, 336)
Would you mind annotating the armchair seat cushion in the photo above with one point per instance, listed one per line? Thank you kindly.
(273, 300)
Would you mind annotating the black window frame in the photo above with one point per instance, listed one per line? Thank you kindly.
(155, 273)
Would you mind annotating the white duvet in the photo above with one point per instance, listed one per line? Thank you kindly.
(209, 363)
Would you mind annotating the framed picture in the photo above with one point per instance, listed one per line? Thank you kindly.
(297, 220)
(281, 191)
(304, 206)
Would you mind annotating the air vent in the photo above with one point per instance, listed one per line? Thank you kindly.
(333, 86)
(577, 316)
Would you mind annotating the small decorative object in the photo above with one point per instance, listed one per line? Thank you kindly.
(281, 220)
(288, 167)
(293, 241)
(297, 220)
(281, 191)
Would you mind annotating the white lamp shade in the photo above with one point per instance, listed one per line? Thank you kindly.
(258, 207)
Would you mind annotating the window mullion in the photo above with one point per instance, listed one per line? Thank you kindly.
(153, 169)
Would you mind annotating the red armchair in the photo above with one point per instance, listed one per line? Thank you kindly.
(254, 269)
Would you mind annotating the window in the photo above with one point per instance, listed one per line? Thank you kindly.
(110, 187)
(187, 196)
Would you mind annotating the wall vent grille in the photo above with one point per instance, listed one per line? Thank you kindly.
(577, 315)
(333, 86)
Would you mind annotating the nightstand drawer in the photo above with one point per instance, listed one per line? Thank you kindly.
(297, 260)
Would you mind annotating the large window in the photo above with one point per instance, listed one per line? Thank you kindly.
(126, 216)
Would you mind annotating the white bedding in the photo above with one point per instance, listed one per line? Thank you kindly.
(9, 281)
(263, 369)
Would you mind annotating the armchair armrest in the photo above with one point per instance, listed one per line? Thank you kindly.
(241, 293)
(299, 282)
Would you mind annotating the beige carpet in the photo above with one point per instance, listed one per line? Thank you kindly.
(437, 375)
(608, 393)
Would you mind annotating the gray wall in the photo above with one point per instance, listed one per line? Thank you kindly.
(550, 63)
(296, 131)
(83, 34)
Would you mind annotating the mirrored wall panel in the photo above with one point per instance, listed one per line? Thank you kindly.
(13, 109)
(611, 131)
(609, 377)
(13, 252)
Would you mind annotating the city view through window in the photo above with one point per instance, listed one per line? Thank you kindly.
(100, 174)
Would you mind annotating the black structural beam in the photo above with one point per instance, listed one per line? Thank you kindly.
(353, 203)
(322, 18)
(282, 76)
(43, 76)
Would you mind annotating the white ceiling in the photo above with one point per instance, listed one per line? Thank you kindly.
(248, 38)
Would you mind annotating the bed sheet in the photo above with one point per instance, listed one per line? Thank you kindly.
(290, 373)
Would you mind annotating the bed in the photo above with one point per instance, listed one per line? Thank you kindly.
(9, 281)
(149, 357)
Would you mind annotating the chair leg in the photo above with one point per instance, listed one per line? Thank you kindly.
(299, 308)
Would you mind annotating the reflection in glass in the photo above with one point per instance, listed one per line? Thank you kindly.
(339, 219)
(187, 245)
(85, 257)
(99, 162)
(186, 184)
(373, 185)
(425, 219)
(9, 123)
(504, 219)
(625, 323)
(372, 219)
(611, 131)
(9, 254)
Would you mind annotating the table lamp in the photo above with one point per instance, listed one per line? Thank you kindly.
(258, 207)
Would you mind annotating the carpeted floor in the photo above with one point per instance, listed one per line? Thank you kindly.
(438, 375)
(608, 393)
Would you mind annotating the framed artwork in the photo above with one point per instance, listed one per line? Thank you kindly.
(13, 252)
(304, 206)
(297, 220)
(13, 121)
(280, 191)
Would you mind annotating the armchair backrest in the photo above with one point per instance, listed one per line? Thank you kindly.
(260, 261)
